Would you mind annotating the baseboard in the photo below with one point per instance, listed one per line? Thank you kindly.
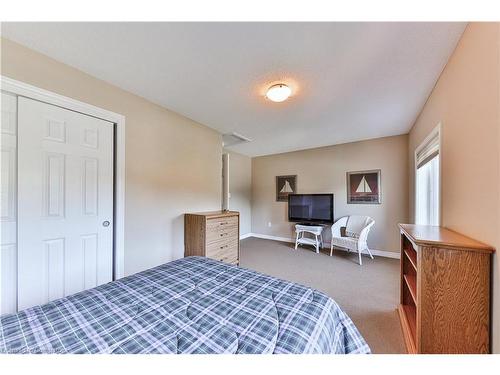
(326, 245)
(268, 237)
(243, 236)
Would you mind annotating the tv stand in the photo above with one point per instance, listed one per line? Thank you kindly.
(315, 230)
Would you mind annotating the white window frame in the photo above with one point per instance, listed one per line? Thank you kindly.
(436, 131)
(23, 89)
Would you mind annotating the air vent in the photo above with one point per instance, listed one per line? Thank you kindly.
(233, 139)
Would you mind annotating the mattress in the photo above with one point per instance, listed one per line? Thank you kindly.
(190, 305)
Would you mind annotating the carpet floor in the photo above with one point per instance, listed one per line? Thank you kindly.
(368, 294)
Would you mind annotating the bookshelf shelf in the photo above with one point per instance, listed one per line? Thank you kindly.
(411, 284)
(412, 257)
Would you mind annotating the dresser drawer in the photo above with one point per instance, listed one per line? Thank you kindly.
(223, 245)
(221, 233)
(221, 223)
(226, 258)
(223, 249)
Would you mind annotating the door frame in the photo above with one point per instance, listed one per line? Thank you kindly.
(23, 89)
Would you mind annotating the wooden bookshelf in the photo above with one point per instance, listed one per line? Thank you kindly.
(442, 268)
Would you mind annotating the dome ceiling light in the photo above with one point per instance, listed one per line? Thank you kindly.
(278, 93)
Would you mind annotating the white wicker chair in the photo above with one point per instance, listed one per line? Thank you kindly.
(356, 234)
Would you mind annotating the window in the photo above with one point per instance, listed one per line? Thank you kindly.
(427, 181)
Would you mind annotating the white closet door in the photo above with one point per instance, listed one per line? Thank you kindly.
(65, 202)
(8, 249)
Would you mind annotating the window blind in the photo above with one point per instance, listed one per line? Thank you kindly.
(428, 151)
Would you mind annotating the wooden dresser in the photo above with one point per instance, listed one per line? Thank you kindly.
(445, 291)
(214, 234)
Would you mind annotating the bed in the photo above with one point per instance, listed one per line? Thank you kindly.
(190, 305)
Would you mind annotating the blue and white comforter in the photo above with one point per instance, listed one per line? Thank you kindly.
(191, 305)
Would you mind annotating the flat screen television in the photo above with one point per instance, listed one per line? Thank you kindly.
(310, 208)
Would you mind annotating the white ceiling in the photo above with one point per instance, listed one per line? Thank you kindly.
(351, 81)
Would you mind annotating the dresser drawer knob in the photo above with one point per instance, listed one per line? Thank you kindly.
(222, 247)
(223, 234)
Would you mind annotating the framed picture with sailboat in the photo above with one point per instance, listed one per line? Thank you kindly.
(285, 185)
(363, 187)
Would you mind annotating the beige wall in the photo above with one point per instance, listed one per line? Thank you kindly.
(173, 164)
(240, 188)
(466, 102)
(323, 170)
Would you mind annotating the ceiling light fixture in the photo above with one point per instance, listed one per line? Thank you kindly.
(278, 93)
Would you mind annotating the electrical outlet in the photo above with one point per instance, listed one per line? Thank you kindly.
(269, 224)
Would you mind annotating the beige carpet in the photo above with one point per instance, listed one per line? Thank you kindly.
(368, 293)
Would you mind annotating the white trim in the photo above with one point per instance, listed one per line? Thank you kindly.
(326, 245)
(431, 135)
(32, 92)
(246, 235)
(274, 238)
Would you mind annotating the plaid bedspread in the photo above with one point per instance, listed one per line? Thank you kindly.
(191, 305)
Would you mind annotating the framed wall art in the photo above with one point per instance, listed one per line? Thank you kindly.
(363, 187)
(285, 185)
